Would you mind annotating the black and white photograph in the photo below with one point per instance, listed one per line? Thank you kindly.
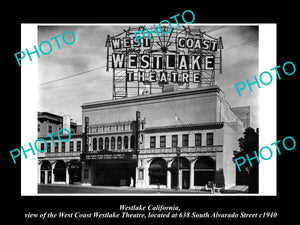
(158, 116)
(150, 114)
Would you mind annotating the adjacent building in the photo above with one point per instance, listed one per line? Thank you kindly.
(60, 163)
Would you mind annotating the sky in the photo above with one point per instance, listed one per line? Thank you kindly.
(88, 53)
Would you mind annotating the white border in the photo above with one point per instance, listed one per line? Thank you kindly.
(267, 110)
(29, 107)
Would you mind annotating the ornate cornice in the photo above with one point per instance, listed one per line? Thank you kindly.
(151, 97)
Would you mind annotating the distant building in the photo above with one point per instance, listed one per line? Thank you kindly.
(59, 163)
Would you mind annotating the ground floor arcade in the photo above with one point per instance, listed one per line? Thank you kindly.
(59, 172)
(153, 172)
(187, 174)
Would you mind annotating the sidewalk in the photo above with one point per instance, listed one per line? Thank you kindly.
(243, 189)
(123, 188)
(234, 189)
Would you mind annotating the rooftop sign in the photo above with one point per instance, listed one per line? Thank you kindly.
(185, 57)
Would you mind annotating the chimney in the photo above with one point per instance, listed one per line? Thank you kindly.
(67, 123)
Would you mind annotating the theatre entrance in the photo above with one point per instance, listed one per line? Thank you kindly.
(114, 173)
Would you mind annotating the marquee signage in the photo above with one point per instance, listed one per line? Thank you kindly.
(108, 155)
(186, 57)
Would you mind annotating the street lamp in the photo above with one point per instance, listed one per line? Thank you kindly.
(178, 151)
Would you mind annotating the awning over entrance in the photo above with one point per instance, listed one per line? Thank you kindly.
(107, 155)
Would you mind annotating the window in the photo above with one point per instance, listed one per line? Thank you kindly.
(39, 127)
(63, 146)
(198, 138)
(126, 142)
(162, 141)
(94, 144)
(56, 147)
(50, 129)
(71, 146)
(209, 139)
(158, 171)
(113, 143)
(132, 141)
(185, 140)
(100, 143)
(152, 142)
(141, 174)
(48, 147)
(106, 143)
(42, 146)
(174, 141)
(119, 143)
(78, 146)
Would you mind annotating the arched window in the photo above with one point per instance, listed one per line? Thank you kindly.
(60, 171)
(126, 142)
(158, 171)
(119, 143)
(113, 143)
(46, 172)
(100, 143)
(94, 143)
(132, 141)
(46, 165)
(106, 143)
(204, 170)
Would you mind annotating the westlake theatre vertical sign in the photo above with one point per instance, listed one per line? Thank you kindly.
(183, 58)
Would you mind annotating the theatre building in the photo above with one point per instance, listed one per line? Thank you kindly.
(60, 163)
(195, 128)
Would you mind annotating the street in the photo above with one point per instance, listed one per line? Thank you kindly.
(70, 189)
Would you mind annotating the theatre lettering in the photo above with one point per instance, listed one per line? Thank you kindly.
(173, 63)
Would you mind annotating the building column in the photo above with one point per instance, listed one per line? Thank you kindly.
(39, 172)
(52, 174)
(169, 175)
(192, 164)
(180, 180)
(146, 175)
(46, 176)
(67, 174)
